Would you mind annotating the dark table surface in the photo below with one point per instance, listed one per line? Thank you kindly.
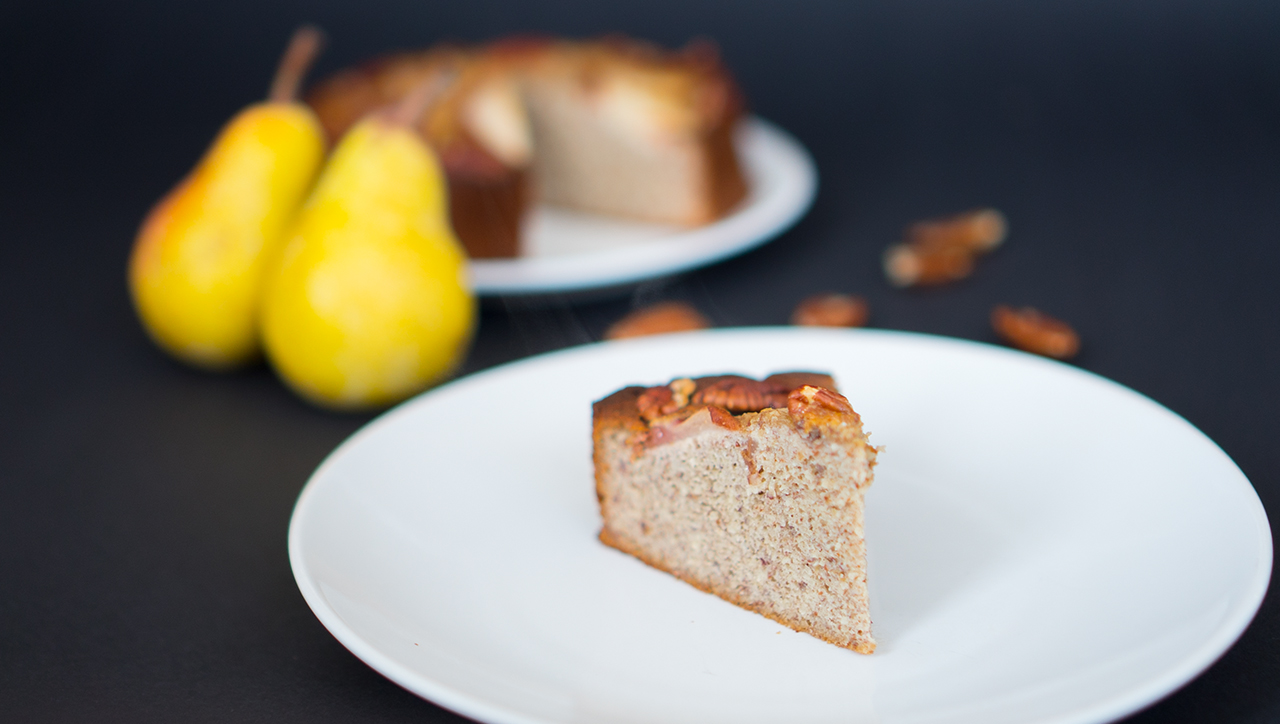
(1135, 148)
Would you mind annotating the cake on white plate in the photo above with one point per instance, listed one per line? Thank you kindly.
(751, 490)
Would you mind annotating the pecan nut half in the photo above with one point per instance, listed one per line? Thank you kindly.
(980, 231)
(741, 394)
(939, 251)
(1034, 331)
(809, 399)
(908, 265)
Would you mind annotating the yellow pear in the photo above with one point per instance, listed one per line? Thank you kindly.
(197, 265)
(370, 300)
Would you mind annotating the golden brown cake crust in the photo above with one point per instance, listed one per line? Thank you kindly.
(630, 421)
(612, 412)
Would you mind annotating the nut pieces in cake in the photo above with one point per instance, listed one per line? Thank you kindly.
(664, 400)
(808, 399)
(741, 394)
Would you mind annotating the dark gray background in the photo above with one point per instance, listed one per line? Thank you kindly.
(1135, 148)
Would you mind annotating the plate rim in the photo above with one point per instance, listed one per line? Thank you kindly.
(690, 249)
(1107, 709)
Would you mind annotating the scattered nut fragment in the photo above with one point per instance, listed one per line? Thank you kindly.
(831, 310)
(942, 250)
(660, 318)
(980, 230)
(908, 265)
(1031, 330)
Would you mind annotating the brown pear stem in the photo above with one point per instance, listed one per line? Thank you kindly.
(302, 51)
(421, 97)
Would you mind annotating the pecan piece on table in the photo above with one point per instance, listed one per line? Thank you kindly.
(831, 310)
(943, 250)
(660, 318)
(980, 230)
(1031, 330)
(908, 266)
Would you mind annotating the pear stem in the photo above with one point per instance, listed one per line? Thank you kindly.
(421, 97)
(302, 51)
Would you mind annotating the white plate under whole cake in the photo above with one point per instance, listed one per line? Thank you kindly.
(567, 251)
(1043, 545)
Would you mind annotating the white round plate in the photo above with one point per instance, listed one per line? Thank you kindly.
(1044, 545)
(568, 251)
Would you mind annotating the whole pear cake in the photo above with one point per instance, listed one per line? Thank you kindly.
(748, 489)
(613, 126)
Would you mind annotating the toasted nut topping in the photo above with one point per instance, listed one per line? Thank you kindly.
(660, 318)
(831, 310)
(681, 389)
(1032, 330)
(656, 402)
(980, 231)
(943, 250)
(741, 394)
(809, 399)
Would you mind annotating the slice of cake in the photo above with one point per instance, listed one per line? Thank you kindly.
(748, 489)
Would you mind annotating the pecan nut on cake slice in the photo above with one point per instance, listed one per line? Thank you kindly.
(751, 490)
